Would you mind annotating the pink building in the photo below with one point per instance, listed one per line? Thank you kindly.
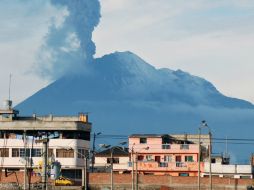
(175, 155)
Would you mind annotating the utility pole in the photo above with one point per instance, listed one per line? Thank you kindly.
(44, 175)
(111, 161)
(84, 174)
(94, 138)
(210, 159)
(25, 160)
(199, 151)
(136, 159)
(132, 171)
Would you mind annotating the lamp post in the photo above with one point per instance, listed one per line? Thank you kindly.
(204, 125)
(111, 161)
(136, 166)
(94, 138)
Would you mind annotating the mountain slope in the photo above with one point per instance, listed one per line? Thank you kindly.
(125, 95)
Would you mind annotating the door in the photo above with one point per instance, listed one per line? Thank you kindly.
(157, 158)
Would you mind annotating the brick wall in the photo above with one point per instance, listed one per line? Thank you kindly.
(123, 181)
(157, 182)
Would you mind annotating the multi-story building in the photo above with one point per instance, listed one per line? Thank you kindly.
(120, 159)
(175, 155)
(21, 150)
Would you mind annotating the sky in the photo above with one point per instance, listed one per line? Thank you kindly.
(212, 39)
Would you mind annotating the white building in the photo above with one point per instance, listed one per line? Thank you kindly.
(221, 168)
(69, 141)
(120, 157)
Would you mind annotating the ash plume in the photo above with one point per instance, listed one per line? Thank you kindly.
(68, 45)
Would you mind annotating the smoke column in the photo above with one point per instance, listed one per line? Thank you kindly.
(68, 45)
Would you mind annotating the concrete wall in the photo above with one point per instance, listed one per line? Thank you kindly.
(229, 169)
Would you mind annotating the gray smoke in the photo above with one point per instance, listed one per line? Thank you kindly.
(68, 47)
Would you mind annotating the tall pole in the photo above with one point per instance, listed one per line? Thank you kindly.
(85, 174)
(111, 161)
(136, 159)
(199, 132)
(45, 163)
(25, 160)
(210, 159)
(94, 136)
(132, 171)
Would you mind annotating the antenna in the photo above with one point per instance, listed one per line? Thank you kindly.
(226, 145)
(10, 87)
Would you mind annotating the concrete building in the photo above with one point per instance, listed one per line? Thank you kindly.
(20, 137)
(120, 157)
(175, 155)
(222, 168)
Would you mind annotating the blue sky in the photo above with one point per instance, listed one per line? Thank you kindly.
(209, 38)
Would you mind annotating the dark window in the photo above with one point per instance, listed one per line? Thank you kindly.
(23, 154)
(178, 159)
(15, 152)
(143, 140)
(165, 146)
(163, 164)
(115, 160)
(157, 158)
(4, 152)
(140, 157)
(83, 135)
(36, 152)
(72, 173)
(183, 174)
(64, 153)
(188, 158)
(213, 160)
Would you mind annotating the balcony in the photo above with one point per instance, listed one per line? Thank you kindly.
(166, 166)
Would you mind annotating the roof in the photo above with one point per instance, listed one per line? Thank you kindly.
(117, 151)
(147, 135)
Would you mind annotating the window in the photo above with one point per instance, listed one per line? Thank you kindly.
(183, 174)
(165, 146)
(178, 159)
(15, 152)
(36, 152)
(188, 158)
(140, 157)
(143, 140)
(184, 146)
(22, 152)
(149, 157)
(64, 153)
(4, 152)
(168, 158)
(81, 153)
(163, 164)
(115, 160)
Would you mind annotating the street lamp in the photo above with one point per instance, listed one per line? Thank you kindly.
(136, 169)
(204, 125)
(94, 138)
(111, 159)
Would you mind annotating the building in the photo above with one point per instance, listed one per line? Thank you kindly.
(221, 167)
(120, 159)
(21, 142)
(175, 155)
